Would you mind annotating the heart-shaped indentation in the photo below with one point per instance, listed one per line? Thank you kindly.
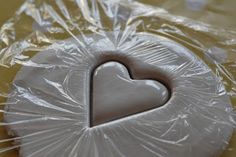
(116, 95)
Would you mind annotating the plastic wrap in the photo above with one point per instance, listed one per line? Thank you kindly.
(118, 78)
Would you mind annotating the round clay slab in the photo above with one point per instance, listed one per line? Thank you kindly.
(49, 105)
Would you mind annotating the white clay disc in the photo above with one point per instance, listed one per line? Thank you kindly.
(49, 105)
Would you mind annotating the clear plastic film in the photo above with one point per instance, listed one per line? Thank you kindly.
(118, 78)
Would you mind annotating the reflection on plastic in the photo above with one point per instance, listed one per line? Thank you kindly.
(196, 5)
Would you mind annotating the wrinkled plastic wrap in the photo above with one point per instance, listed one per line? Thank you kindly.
(49, 86)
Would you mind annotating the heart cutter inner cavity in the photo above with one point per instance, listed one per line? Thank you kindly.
(116, 95)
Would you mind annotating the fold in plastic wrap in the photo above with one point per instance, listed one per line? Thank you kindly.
(54, 102)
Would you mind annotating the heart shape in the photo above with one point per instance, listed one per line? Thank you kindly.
(116, 95)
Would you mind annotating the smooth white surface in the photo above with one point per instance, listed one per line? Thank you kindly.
(116, 95)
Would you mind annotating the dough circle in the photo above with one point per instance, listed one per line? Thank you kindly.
(48, 107)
